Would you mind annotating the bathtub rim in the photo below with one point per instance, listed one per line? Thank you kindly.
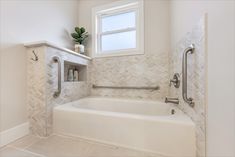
(70, 111)
(180, 118)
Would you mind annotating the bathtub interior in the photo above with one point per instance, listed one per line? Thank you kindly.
(129, 106)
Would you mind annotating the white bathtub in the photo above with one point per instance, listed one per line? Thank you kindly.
(137, 124)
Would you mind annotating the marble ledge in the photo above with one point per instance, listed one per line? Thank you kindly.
(49, 44)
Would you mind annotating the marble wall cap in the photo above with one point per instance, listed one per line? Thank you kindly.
(49, 44)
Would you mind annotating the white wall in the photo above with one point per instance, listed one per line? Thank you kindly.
(157, 35)
(85, 15)
(154, 62)
(22, 21)
(221, 66)
(26, 21)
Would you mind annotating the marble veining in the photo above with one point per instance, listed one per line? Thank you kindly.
(42, 83)
(196, 80)
(150, 69)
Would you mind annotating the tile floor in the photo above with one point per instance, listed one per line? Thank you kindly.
(64, 146)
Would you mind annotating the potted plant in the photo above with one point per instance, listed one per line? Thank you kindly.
(79, 36)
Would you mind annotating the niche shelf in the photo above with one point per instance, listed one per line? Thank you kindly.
(82, 71)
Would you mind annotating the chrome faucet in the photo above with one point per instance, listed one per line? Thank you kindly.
(172, 100)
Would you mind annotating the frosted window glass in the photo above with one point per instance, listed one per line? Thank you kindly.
(119, 41)
(120, 21)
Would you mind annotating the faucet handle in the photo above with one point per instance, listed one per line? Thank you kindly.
(175, 81)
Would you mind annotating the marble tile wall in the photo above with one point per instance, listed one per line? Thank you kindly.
(42, 83)
(196, 80)
(150, 69)
(36, 93)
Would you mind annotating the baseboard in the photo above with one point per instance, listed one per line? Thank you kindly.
(13, 134)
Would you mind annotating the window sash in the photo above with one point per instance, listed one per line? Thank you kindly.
(99, 42)
(118, 10)
(128, 29)
(117, 50)
(117, 13)
(112, 9)
(118, 31)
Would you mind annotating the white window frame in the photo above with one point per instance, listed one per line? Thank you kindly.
(111, 9)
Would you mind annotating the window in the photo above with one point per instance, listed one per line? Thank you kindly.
(118, 29)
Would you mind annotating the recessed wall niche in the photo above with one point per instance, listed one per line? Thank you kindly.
(81, 72)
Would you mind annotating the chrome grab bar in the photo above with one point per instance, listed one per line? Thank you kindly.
(127, 87)
(187, 99)
(57, 60)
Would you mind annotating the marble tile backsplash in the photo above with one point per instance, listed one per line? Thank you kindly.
(150, 69)
(196, 80)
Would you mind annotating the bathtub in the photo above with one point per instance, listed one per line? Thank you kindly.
(137, 124)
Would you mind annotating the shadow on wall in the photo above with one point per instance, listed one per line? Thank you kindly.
(66, 36)
(196, 79)
(13, 86)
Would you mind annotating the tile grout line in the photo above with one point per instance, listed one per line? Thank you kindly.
(94, 143)
(27, 146)
(39, 139)
(89, 141)
(26, 151)
(3, 148)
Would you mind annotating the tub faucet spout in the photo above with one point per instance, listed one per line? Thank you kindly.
(172, 100)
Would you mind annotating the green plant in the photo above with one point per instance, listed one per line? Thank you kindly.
(79, 35)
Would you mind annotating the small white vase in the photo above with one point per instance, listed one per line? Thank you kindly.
(79, 48)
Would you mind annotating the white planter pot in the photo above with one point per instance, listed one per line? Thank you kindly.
(79, 48)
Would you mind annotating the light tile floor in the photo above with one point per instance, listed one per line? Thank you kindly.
(64, 146)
